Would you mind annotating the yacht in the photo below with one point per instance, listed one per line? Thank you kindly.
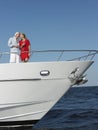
(29, 90)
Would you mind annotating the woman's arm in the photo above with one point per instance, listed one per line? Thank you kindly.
(29, 50)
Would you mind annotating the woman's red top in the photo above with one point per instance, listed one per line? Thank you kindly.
(24, 49)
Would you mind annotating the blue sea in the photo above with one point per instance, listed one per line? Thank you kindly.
(76, 110)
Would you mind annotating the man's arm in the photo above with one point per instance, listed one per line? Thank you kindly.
(10, 44)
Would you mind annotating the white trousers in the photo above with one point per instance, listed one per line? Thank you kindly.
(14, 58)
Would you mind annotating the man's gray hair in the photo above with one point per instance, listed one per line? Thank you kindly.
(16, 33)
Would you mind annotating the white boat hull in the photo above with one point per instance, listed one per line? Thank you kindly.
(26, 95)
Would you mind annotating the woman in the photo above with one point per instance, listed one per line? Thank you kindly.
(24, 45)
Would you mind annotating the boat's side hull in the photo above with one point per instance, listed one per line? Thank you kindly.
(27, 95)
(30, 99)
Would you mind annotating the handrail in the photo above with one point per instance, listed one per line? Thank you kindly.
(86, 56)
(90, 54)
(65, 51)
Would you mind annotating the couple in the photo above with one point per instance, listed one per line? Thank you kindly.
(16, 44)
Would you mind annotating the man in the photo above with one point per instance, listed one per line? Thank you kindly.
(14, 48)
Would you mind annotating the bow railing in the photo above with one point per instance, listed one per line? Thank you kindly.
(55, 55)
(76, 54)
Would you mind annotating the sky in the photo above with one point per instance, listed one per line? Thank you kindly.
(52, 24)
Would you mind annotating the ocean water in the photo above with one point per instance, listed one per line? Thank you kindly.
(77, 110)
